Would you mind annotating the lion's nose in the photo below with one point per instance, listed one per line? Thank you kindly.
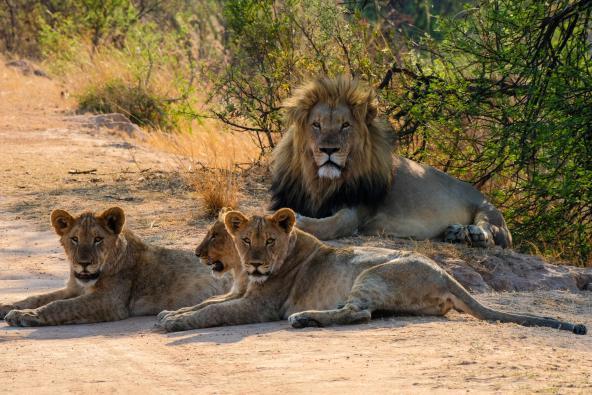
(329, 151)
(255, 264)
(84, 264)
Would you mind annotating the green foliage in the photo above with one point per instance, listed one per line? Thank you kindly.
(505, 101)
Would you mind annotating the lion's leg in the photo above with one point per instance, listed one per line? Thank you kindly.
(404, 285)
(33, 302)
(213, 300)
(79, 310)
(348, 314)
(343, 223)
(233, 312)
(371, 291)
(488, 229)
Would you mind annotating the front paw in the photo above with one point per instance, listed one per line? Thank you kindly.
(163, 314)
(176, 323)
(26, 317)
(5, 308)
(302, 320)
(472, 235)
(479, 236)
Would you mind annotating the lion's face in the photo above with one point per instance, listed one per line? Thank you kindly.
(262, 242)
(89, 241)
(217, 249)
(331, 134)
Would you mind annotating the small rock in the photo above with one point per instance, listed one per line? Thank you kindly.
(115, 121)
(26, 68)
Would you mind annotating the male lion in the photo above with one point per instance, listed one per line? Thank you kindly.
(113, 275)
(291, 271)
(335, 168)
(217, 251)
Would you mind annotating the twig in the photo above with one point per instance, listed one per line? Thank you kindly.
(126, 199)
(73, 171)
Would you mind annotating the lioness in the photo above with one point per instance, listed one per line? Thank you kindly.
(113, 275)
(217, 251)
(335, 167)
(291, 271)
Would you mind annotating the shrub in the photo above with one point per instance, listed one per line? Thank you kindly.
(217, 188)
(139, 104)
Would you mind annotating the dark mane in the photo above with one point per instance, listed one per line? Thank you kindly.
(293, 194)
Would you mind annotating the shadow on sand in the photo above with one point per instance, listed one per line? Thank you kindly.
(234, 334)
(218, 335)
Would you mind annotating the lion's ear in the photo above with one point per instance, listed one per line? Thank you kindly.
(114, 219)
(285, 218)
(223, 212)
(234, 221)
(61, 221)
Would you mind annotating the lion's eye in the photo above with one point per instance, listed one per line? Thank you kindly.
(345, 125)
(98, 240)
(247, 241)
(270, 241)
(74, 240)
(316, 125)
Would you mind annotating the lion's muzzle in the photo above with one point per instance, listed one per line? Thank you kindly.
(87, 276)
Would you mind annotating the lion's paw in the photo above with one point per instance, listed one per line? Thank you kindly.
(26, 317)
(176, 323)
(5, 308)
(472, 235)
(302, 320)
(163, 314)
(479, 236)
(456, 233)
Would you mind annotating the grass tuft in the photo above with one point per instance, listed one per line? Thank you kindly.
(217, 188)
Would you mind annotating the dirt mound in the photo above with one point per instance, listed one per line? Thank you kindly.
(492, 269)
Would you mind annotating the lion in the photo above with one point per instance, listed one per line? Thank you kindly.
(335, 168)
(292, 275)
(114, 275)
(217, 251)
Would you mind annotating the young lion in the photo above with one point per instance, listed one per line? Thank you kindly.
(217, 251)
(291, 271)
(113, 275)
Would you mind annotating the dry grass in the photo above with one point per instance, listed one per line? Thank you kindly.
(29, 100)
(217, 188)
(211, 161)
(207, 153)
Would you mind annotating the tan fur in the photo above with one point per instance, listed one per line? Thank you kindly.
(335, 168)
(217, 251)
(297, 277)
(114, 275)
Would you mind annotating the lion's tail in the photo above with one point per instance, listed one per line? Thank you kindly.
(465, 302)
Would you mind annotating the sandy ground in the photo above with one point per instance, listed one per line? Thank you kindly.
(40, 144)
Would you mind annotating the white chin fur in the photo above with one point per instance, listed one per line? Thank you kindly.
(258, 279)
(329, 171)
(86, 283)
(217, 274)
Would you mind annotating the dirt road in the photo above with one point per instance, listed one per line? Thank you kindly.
(38, 147)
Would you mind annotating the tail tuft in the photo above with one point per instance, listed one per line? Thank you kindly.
(580, 329)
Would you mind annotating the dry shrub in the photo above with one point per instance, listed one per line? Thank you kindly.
(217, 188)
(212, 161)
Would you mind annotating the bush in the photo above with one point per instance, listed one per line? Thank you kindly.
(141, 106)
